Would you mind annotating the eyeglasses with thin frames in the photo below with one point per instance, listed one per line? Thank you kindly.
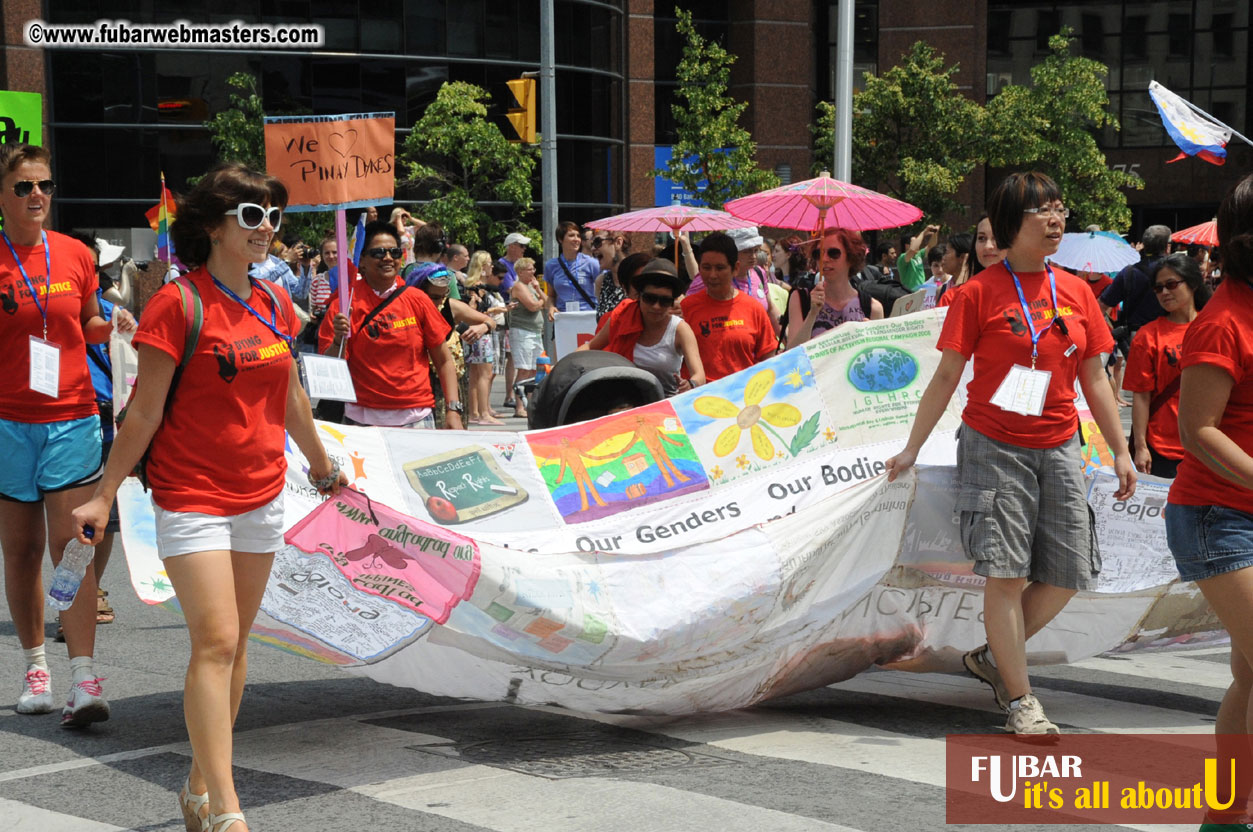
(1049, 210)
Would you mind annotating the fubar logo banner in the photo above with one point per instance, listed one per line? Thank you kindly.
(1097, 778)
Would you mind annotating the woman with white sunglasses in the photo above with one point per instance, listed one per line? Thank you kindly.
(213, 429)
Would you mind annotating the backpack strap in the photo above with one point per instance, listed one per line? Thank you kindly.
(866, 301)
(193, 315)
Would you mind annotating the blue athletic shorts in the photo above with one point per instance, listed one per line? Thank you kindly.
(1208, 540)
(46, 457)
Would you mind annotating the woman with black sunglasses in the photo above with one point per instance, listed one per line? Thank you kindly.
(646, 332)
(213, 426)
(1153, 369)
(49, 424)
(387, 336)
(833, 301)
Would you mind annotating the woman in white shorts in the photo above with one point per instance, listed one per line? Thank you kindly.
(214, 433)
(526, 324)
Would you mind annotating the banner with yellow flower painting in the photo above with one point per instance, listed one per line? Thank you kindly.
(728, 545)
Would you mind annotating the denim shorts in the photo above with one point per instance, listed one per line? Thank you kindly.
(42, 457)
(1208, 541)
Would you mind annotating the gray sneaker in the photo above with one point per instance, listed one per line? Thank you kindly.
(976, 661)
(1029, 719)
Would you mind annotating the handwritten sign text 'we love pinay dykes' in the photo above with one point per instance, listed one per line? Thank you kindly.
(329, 162)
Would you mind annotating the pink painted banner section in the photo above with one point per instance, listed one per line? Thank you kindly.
(392, 555)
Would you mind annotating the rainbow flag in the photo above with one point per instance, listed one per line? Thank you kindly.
(159, 218)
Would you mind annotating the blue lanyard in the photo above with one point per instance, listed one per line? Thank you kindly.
(270, 324)
(42, 307)
(1026, 313)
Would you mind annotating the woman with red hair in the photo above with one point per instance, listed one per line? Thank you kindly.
(833, 301)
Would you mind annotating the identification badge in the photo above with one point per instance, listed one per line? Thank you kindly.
(573, 306)
(45, 367)
(327, 377)
(1023, 391)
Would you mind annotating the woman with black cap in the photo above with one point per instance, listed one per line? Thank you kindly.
(645, 331)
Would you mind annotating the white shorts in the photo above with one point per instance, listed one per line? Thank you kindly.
(184, 532)
(526, 347)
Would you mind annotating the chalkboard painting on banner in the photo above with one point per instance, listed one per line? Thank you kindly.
(333, 162)
(463, 485)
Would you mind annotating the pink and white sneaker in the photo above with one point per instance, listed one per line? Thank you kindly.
(85, 705)
(36, 696)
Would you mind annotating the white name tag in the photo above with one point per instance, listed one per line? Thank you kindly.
(574, 306)
(45, 367)
(328, 378)
(1023, 391)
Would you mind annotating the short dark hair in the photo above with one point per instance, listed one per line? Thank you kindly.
(630, 267)
(718, 242)
(87, 239)
(564, 228)
(936, 253)
(1016, 193)
(881, 250)
(498, 268)
(1235, 230)
(217, 192)
(374, 229)
(1190, 271)
(428, 240)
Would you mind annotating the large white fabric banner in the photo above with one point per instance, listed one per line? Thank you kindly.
(732, 544)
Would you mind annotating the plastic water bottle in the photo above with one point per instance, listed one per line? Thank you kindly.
(541, 367)
(70, 571)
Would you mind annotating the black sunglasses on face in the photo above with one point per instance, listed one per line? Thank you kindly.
(1168, 286)
(394, 252)
(23, 188)
(834, 254)
(651, 299)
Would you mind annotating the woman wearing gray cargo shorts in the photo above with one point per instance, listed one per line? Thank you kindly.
(1032, 330)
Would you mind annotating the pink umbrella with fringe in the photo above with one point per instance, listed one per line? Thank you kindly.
(815, 204)
(672, 218)
(1205, 234)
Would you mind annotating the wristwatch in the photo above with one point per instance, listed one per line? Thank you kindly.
(455, 407)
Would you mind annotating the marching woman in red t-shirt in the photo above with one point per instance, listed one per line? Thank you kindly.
(1153, 366)
(1209, 518)
(1032, 331)
(216, 464)
(49, 425)
(733, 331)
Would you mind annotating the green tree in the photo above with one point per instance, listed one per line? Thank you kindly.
(707, 123)
(238, 135)
(1052, 125)
(915, 136)
(458, 159)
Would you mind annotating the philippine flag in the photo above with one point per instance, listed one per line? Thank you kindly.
(1196, 133)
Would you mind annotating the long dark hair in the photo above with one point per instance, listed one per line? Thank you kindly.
(1235, 230)
(1190, 271)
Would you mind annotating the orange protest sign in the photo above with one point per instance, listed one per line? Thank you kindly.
(333, 162)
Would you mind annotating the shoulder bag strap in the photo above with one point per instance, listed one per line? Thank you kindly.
(575, 282)
(382, 305)
(1164, 396)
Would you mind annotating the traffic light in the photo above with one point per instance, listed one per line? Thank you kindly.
(523, 117)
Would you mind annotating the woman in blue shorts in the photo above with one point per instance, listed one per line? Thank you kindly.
(1209, 516)
(49, 424)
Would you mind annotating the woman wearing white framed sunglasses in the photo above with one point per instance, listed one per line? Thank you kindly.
(219, 514)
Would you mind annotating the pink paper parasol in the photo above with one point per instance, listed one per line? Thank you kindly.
(672, 218)
(1205, 234)
(814, 204)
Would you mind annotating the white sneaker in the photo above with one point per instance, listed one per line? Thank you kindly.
(85, 705)
(1028, 718)
(36, 697)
